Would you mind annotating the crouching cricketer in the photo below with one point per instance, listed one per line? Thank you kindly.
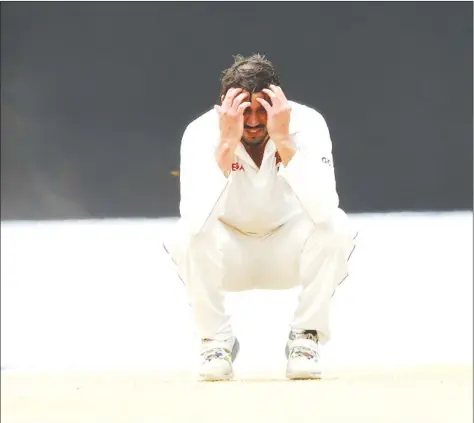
(259, 210)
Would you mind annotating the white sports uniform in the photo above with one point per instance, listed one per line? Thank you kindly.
(272, 227)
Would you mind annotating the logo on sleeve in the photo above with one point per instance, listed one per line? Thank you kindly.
(327, 161)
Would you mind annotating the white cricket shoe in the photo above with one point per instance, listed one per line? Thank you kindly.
(217, 358)
(302, 352)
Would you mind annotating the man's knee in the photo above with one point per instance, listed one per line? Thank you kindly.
(182, 243)
(333, 236)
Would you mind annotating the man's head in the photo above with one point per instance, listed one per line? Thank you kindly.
(252, 74)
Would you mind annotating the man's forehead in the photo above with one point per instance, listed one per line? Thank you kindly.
(258, 94)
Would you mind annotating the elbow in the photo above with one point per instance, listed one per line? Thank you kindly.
(324, 209)
(190, 218)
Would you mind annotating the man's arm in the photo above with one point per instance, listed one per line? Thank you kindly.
(205, 165)
(202, 182)
(306, 157)
(310, 171)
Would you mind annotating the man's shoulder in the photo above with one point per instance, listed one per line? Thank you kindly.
(303, 115)
(205, 122)
(303, 110)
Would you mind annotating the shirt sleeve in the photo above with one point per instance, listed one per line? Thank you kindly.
(202, 182)
(310, 173)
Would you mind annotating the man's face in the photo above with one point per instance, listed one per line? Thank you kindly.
(255, 120)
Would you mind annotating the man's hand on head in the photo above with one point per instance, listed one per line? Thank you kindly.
(278, 113)
(278, 121)
(231, 125)
(231, 115)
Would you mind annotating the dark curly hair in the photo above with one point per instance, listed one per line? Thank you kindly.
(251, 73)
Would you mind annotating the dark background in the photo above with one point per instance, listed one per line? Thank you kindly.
(95, 98)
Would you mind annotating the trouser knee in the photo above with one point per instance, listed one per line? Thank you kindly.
(331, 237)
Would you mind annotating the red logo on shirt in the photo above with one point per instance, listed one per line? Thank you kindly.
(237, 166)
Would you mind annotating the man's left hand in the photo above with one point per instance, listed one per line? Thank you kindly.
(278, 114)
(278, 122)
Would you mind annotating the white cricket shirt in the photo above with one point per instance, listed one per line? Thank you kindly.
(255, 200)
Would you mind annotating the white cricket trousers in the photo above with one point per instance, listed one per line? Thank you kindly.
(298, 253)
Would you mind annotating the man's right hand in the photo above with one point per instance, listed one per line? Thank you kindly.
(231, 125)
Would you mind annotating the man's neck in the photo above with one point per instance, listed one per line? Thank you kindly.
(256, 151)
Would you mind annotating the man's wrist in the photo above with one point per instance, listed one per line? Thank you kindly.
(228, 143)
(286, 149)
(224, 156)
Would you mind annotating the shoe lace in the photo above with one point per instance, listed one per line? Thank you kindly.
(305, 344)
(215, 353)
(304, 334)
(212, 352)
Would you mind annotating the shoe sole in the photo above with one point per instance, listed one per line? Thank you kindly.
(216, 378)
(303, 376)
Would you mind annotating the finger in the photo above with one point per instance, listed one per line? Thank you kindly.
(238, 100)
(218, 109)
(270, 93)
(243, 106)
(229, 97)
(265, 104)
(273, 98)
(278, 91)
